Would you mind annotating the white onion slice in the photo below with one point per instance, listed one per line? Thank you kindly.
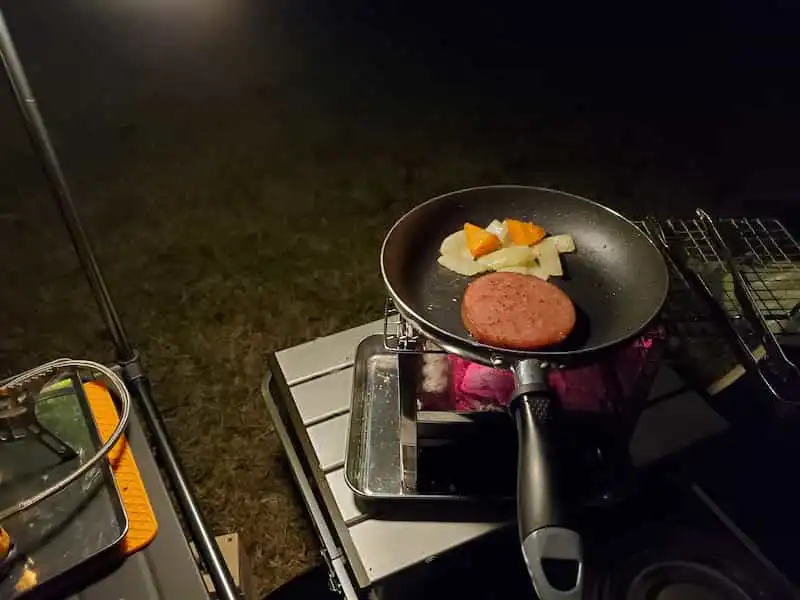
(500, 229)
(513, 256)
(455, 244)
(563, 243)
(548, 257)
(461, 265)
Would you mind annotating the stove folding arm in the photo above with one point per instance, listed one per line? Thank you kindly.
(127, 357)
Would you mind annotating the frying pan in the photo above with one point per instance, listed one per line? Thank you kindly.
(618, 281)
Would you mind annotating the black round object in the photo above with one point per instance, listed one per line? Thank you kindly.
(657, 562)
(678, 580)
(617, 279)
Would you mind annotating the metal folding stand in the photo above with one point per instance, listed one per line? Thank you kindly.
(127, 357)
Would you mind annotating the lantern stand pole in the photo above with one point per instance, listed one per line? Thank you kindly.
(127, 356)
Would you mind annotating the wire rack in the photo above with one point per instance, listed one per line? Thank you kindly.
(767, 255)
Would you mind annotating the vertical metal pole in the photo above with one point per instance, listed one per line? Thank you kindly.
(225, 588)
(206, 545)
(52, 168)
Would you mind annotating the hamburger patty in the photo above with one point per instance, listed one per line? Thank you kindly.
(515, 311)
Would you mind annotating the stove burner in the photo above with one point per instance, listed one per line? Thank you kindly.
(676, 564)
(616, 385)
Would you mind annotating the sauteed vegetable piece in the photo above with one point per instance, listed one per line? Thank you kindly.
(524, 234)
(472, 250)
(480, 241)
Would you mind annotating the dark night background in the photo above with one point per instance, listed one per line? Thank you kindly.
(704, 91)
(222, 150)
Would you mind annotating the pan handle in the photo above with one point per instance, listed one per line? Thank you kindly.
(552, 551)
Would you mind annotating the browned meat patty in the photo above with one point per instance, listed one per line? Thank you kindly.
(515, 311)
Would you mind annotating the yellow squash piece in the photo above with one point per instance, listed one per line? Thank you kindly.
(524, 234)
(27, 580)
(480, 241)
(5, 544)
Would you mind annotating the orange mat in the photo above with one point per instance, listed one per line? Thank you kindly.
(142, 525)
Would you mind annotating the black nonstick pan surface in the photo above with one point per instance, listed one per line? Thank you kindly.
(617, 279)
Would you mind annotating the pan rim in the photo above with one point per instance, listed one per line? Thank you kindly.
(509, 355)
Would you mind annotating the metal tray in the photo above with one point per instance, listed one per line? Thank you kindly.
(396, 452)
(76, 534)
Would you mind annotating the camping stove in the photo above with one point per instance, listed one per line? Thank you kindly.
(391, 468)
(428, 425)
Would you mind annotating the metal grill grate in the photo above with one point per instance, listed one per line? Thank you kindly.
(398, 334)
(768, 256)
